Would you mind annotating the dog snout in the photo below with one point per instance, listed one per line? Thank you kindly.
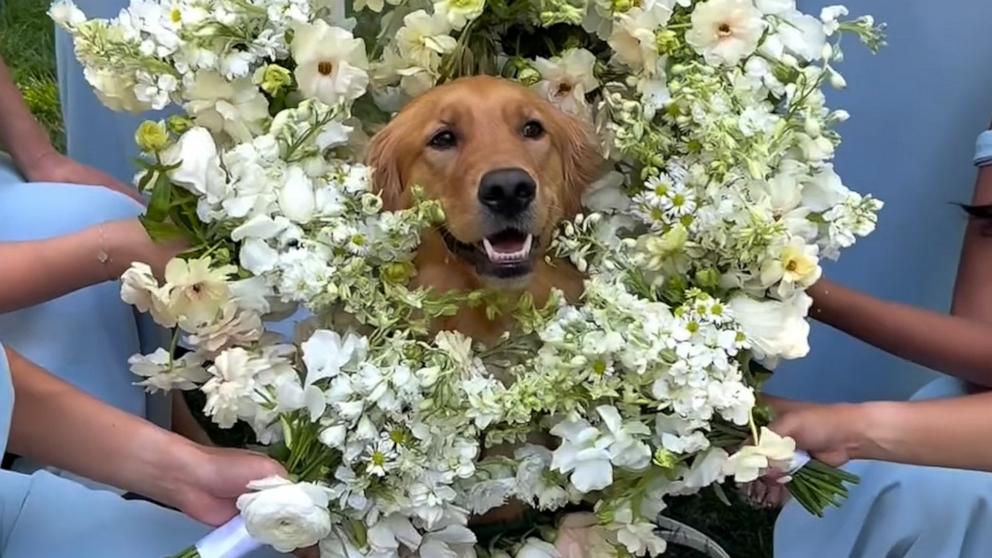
(507, 192)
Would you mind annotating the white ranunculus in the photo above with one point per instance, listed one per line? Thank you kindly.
(424, 39)
(196, 291)
(536, 548)
(296, 197)
(725, 31)
(776, 329)
(331, 64)
(230, 390)
(286, 515)
(236, 108)
(567, 79)
(199, 164)
(459, 12)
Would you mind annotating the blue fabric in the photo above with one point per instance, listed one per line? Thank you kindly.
(916, 109)
(84, 337)
(983, 149)
(897, 510)
(45, 516)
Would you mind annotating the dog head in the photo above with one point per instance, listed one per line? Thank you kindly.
(506, 165)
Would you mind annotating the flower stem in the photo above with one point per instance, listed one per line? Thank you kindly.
(190, 552)
(818, 485)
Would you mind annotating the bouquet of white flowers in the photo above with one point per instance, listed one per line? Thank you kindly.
(696, 251)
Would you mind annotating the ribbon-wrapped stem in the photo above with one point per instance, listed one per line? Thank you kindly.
(230, 540)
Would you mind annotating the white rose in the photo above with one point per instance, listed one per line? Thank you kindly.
(286, 515)
(776, 329)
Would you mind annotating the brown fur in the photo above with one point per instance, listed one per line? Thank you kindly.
(487, 115)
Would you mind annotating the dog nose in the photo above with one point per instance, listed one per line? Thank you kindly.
(507, 192)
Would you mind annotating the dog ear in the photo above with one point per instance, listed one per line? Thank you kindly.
(384, 158)
(582, 158)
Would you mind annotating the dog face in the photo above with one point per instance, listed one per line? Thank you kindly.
(506, 166)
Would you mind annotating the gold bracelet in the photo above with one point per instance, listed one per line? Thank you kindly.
(103, 256)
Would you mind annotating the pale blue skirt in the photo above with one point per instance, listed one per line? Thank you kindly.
(903, 511)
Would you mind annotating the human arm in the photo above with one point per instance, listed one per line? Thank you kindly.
(939, 432)
(56, 424)
(34, 155)
(955, 344)
(36, 271)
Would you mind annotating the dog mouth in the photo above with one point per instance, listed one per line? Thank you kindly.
(506, 254)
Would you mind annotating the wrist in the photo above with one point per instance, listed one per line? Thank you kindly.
(174, 465)
(867, 430)
(32, 161)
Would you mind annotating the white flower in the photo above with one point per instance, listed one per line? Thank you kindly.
(640, 538)
(792, 265)
(296, 197)
(707, 468)
(286, 515)
(776, 329)
(580, 535)
(229, 393)
(390, 532)
(772, 451)
(775, 7)
(583, 453)
(536, 548)
(66, 14)
(199, 168)
(325, 353)
(606, 194)
(424, 39)
(802, 35)
(459, 12)
(633, 40)
(140, 289)
(197, 292)
(115, 90)
(164, 373)
(625, 449)
(567, 79)
(330, 63)
(830, 15)
(236, 108)
(824, 191)
(725, 31)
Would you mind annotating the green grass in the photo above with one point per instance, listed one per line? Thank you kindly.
(27, 45)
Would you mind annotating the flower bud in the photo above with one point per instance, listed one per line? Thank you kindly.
(151, 137)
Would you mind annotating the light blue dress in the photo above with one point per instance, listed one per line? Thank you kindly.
(916, 108)
(84, 337)
(45, 516)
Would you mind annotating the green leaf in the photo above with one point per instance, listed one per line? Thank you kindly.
(158, 205)
(161, 231)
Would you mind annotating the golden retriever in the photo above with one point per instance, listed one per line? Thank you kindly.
(507, 167)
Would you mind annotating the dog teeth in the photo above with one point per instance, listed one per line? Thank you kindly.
(496, 256)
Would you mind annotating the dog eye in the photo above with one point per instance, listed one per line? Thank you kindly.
(533, 129)
(444, 139)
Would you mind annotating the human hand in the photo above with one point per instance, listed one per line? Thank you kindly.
(52, 166)
(829, 433)
(128, 242)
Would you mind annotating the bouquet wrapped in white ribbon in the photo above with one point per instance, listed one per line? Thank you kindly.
(696, 249)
